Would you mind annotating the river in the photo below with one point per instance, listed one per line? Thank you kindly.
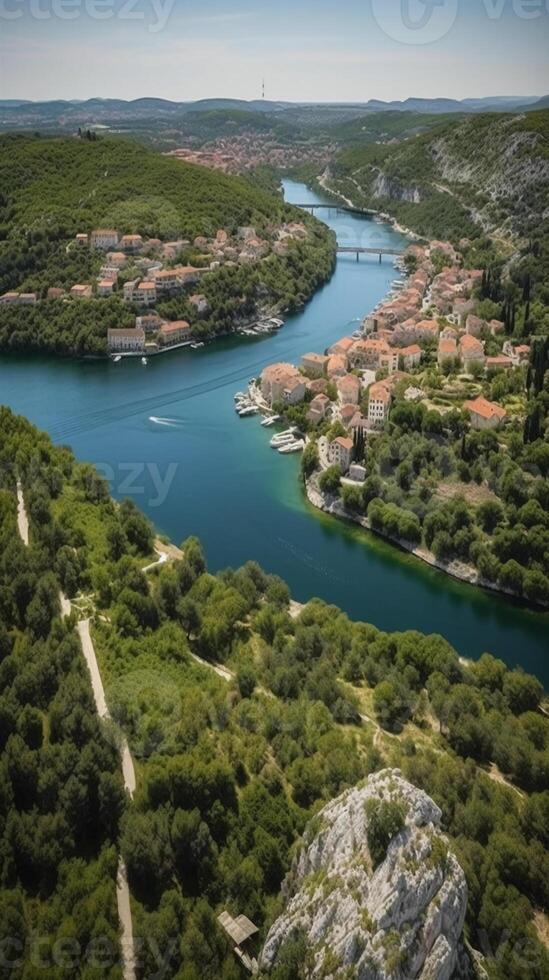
(167, 435)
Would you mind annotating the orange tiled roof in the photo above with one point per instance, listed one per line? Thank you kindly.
(487, 410)
(468, 342)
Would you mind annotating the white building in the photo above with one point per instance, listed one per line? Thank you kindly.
(126, 339)
(104, 238)
(340, 452)
(145, 294)
(104, 287)
(379, 402)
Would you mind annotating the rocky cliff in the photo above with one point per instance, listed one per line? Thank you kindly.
(374, 891)
(488, 171)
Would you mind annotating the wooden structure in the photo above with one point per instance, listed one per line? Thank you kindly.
(239, 930)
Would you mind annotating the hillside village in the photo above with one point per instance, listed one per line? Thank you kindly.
(425, 426)
(145, 271)
(246, 151)
(426, 331)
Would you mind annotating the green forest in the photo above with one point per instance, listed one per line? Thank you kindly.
(229, 768)
(52, 188)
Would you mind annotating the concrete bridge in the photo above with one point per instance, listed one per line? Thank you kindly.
(358, 251)
(353, 249)
(335, 207)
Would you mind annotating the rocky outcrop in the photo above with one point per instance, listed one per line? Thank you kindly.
(368, 915)
(388, 187)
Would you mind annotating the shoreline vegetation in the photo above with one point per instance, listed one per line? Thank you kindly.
(334, 507)
(246, 713)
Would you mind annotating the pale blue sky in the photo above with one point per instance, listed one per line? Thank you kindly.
(349, 50)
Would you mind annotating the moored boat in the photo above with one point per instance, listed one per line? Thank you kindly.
(295, 446)
(281, 437)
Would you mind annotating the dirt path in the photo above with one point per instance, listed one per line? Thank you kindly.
(223, 672)
(22, 519)
(497, 776)
(88, 650)
(128, 772)
(125, 917)
(162, 559)
(65, 605)
(122, 888)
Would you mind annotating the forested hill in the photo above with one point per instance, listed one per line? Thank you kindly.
(475, 174)
(52, 188)
(61, 186)
(231, 763)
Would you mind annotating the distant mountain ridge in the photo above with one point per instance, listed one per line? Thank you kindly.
(412, 104)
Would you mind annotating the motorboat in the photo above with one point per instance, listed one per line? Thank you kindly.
(270, 420)
(117, 358)
(144, 360)
(281, 437)
(295, 446)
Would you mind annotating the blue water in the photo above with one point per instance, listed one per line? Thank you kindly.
(199, 469)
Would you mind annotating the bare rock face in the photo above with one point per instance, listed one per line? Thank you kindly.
(375, 892)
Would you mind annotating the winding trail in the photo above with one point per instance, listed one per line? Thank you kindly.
(128, 771)
(88, 650)
(223, 672)
(22, 519)
(125, 917)
(162, 559)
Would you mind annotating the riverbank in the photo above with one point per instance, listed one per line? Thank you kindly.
(383, 215)
(334, 507)
(103, 410)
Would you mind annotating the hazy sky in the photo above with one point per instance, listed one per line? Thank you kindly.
(304, 49)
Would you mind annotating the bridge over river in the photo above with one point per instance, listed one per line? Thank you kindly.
(358, 251)
(336, 207)
(353, 249)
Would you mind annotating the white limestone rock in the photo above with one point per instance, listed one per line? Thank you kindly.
(402, 920)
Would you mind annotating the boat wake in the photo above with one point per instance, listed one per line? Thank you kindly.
(172, 423)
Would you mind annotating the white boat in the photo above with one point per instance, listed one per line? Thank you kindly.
(292, 447)
(248, 410)
(270, 420)
(239, 396)
(117, 358)
(144, 360)
(196, 345)
(281, 437)
(276, 322)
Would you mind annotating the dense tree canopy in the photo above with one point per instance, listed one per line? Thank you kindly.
(229, 770)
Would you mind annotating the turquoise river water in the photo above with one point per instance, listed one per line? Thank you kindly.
(167, 435)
